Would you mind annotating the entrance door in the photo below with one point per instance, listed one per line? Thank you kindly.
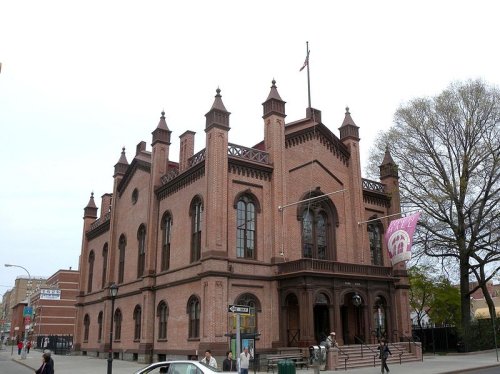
(293, 321)
(321, 318)
(353, 326)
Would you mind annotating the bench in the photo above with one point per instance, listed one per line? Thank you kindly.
(298, 359)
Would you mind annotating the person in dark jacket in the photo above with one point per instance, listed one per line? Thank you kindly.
(229, 364)
(383, 355)
(47, 365)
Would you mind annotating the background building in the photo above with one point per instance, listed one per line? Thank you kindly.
(279, 227)
(17, 300)
(54, 307)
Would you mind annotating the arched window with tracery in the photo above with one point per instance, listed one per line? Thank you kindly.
(249, 322)
(245, 226)
(193, 310)
(166, 229)
(118, 324)
(104, 265)
(141, 243)
(196, 215)
(162, 313)
(137, 322)
(375, 238)
(91, 271)
(122, 243)
(86, 327)
(318, 223)
(99, 327)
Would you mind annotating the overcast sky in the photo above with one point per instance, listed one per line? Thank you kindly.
(82, 79)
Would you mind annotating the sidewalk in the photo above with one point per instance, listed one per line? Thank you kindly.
(451, 363)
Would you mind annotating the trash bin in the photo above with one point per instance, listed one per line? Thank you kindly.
(286, 367)
(317, 356)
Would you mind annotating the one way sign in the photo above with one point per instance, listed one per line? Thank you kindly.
(239, 309)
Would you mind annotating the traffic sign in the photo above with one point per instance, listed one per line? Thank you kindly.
(27, 311)
(239, 309)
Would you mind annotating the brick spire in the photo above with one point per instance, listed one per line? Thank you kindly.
(90, 211)
(274, 104)
(161, 133)
(122, 164)
(348, 128)
(388, 168)
(217, 115)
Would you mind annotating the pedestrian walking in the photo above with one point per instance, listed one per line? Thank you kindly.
(384, 355)
(229, 364)
(244, 361)
(47, 365)
(209, 359)
(19, 347)
(28, 346)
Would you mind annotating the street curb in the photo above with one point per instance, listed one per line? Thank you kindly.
(22, 363)
(471, 370)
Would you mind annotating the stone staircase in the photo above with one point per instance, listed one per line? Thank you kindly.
(367, 355)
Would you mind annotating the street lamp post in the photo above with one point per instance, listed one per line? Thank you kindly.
(26, 329)
(113, 291)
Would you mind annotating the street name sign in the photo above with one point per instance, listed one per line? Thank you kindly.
(239, 309)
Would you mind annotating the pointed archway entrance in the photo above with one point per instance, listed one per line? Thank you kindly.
(293, 321)
(352, 316)
(321, 317)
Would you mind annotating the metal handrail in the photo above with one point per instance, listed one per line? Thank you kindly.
(343, 353)
(410, 341)
(399, 350)
(375, 354)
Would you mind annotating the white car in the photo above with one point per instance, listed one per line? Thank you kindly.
(178, 367)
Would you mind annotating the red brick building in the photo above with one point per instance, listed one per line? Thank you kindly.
(277, 227)
(54, 305)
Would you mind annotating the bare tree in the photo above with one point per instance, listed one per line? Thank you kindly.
(447, 149)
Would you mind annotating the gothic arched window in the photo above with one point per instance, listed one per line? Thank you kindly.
(141, 243)
(91, 271)
(195, 213)
(375, 239)
(162, 313)
(318, 222)
(99, 325)
(245, 227)
(137, 322)
(104, 264)
(118, 324)
(166, 229)
(193, 310)
(122, 243)
(86, 327)
(249, 322)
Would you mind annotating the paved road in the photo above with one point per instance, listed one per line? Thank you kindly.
(451, 363)
(7, 366)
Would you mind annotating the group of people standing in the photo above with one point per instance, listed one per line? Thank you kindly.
(20, 346)
(229, 364)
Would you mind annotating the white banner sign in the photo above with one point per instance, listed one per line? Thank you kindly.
(50, 294)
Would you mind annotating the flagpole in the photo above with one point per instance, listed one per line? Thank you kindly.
(308, 80)
(390, 215)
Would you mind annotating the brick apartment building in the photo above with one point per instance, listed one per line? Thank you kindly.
(15, 300)
(54, 305)
(275, 227)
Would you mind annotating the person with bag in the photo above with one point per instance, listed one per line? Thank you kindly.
(384, 355)
(47, 365)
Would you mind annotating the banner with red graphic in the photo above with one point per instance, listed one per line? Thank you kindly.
(399, 238)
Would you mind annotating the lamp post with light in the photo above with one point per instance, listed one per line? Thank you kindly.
(26, 329)
(113, 291)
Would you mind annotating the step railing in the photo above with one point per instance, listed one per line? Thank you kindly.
(411, 341)
(342, 352)
(400, 351)
(362, 344)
